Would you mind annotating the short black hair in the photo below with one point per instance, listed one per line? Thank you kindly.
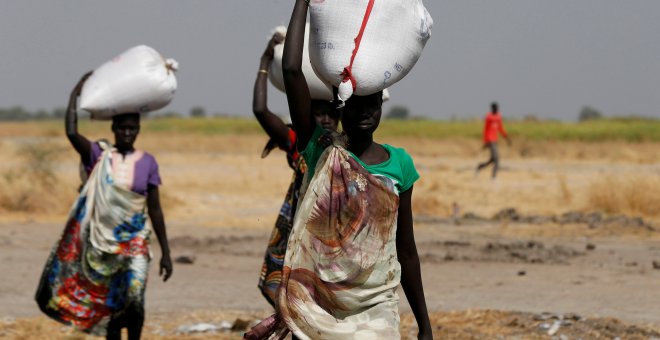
(120, 117)
(494, 107)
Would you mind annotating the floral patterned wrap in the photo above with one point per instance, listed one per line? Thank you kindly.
(271, 270)
(99, 266)
(341, 269)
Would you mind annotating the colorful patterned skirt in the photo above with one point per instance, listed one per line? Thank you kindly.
(271, 270)
(98, 268)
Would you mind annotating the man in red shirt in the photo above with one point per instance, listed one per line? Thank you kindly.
(492, 126)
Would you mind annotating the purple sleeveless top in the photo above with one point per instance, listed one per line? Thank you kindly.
(135, 171)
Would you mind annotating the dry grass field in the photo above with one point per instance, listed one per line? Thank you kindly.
(211, 177)
(215, 184)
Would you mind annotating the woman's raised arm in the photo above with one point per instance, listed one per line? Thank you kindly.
(79, 142)
(271, 123)
(297, 92)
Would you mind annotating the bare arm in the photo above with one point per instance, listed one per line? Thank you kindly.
(158, 223)
(297, 92)
(503, 133)
(411, 275)
(79, 142)
(272, 124)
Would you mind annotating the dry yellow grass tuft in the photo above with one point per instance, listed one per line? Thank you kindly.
(635, 194)
(566, 193)
(30, 184)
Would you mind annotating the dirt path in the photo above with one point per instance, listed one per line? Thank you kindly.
(486, 265)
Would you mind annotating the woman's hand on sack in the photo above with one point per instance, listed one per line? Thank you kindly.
(165, 267)
(326, 140)
(73, 99)
(269, 53)
(78, 88)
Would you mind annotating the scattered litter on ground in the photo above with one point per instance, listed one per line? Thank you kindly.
(204, 328)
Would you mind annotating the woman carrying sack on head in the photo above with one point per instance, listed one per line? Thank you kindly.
(284, 137)
(352, 241)
(95, 277)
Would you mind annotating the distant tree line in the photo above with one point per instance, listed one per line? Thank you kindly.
(18, 113)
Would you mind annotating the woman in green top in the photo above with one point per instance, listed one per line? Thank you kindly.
(352, 241)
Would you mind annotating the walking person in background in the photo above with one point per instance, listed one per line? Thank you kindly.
(492, 128)
(283, 136)
(96, 275)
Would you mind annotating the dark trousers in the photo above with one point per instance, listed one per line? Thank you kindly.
(494, 159)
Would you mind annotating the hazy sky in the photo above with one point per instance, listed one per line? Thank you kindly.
(543, 57)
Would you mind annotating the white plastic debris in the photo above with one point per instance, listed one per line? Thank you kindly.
(554, 328)
(200, 328)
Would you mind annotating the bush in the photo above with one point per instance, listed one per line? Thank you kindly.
(197, 112)
(589, 113)
(398, 112)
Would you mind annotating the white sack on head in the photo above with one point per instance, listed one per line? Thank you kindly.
(138, 80)
(395, 33)
(318, 90)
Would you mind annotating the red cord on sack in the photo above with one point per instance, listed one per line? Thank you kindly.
(347, 73)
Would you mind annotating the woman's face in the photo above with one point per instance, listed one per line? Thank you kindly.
(325, 114)
(362, 114)
(126, 128)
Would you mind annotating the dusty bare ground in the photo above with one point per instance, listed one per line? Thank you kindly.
(489, 265)
(470, 324)
(484, 278)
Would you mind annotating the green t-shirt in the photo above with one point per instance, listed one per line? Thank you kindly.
(399, 167)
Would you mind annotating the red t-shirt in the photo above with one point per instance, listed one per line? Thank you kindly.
(493, 125)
